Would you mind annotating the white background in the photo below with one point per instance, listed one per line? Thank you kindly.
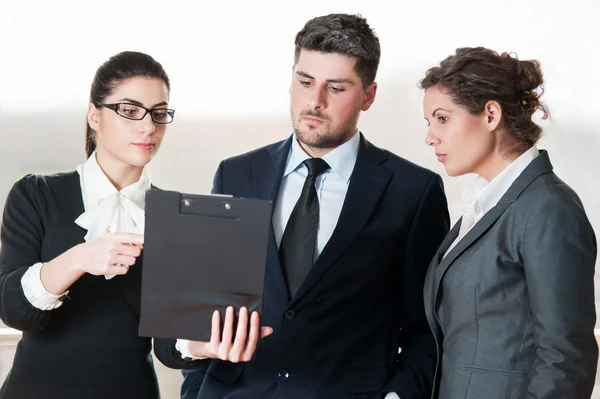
(230, 67)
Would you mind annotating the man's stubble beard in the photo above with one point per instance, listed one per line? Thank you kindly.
(328, 139)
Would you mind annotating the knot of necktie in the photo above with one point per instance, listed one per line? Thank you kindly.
(316, 166)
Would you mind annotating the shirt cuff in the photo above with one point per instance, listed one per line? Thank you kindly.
(36, 293)
(392, 395)
(182, 346)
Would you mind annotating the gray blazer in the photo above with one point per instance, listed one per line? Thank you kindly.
(512, 304)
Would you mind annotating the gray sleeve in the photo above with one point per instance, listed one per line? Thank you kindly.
(559, 255)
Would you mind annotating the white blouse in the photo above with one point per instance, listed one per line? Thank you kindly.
(106, 210)
(479, 196)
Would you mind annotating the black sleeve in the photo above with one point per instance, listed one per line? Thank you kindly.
(218, 180)
(21, 238)
(417, 359)
(165, 351)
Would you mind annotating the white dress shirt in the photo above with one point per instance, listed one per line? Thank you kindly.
(331, 187)
(479, 196)
(107, 210)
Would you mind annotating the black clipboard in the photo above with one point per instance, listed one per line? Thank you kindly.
(201, 253)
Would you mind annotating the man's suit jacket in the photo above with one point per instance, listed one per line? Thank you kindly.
(512, 304)
(362, 300)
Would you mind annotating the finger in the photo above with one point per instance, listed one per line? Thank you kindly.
(118, 249)
(122, 260)
(227, 334)
(240, 336)
(215, 334)
(228, 326)
(252, 337)
(265, 331)
(129, 250)
(113, 269)
(129, 238)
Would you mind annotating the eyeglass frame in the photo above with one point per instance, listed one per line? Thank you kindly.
(115, 108)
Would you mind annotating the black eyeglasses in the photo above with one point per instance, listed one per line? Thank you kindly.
(137, 113)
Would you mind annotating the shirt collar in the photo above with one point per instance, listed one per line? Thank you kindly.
(341, 159)
(97, 186)
(484, 196)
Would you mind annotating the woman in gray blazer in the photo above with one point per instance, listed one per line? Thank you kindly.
(510, 293)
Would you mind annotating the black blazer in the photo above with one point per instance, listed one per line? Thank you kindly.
(89, 347)
(339, 336)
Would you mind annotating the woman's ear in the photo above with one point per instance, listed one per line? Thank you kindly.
(493, 115)
(94, 117)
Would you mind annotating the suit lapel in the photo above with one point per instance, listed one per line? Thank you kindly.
(473, 235)
(368, 182)
(430, 286)
(450, 237)
(267, 171)
(538, 166)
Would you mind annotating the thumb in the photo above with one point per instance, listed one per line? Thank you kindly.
(265, 331)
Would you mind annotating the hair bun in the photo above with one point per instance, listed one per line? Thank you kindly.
(475, 75)
(529, 75)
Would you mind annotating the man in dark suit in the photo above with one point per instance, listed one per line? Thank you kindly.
(354, 229)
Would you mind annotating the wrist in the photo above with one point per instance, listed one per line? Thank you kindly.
(59, 273)
(73, 266)
(197, 350)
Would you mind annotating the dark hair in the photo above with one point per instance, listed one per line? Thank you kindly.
(118, 68)
(475, 75)
(343, 34)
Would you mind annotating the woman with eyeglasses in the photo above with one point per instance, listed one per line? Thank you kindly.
(71, 244)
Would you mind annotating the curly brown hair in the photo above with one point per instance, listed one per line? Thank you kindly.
(475, 75)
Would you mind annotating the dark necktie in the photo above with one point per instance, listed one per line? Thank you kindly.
(297, 248)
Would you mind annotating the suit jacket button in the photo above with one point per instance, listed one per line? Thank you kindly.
(283, 375)
(290, 315)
